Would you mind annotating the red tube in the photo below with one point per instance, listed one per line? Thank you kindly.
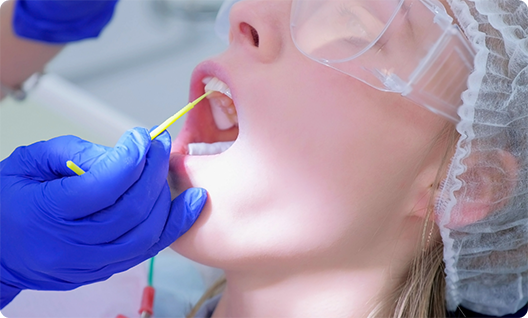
(147, 301)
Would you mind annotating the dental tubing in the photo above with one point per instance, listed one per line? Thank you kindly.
(147, 299)
(146, 310)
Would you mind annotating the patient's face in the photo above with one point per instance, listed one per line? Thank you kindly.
(322, 163)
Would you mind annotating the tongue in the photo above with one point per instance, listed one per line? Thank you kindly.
(204, 149)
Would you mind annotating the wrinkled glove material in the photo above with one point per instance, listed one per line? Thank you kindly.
(61, 231)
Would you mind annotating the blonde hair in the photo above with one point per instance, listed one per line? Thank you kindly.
(215, 289)
(422, 292)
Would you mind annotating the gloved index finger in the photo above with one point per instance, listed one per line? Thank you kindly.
(137, 203)
(102, 185)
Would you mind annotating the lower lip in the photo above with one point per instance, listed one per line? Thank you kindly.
(178, 178)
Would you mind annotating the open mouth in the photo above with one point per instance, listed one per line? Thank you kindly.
(212, 127)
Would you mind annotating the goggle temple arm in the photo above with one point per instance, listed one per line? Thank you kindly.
(442, 75)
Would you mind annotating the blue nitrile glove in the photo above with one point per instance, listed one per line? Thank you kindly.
(61, 21)
(60, 231)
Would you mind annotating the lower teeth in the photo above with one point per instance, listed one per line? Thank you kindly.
(204, 149)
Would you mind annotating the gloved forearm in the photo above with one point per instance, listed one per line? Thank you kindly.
(61, 21)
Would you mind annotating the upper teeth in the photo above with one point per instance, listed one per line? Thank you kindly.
(214, 84)
(222, 107)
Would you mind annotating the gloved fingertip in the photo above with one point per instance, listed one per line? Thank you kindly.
(165, 135)
(138, 134)
(164, 138)
(195, 199)
(134, 144)
(141, 134)
(184, 211)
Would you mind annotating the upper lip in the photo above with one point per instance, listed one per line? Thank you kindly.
(207, 69)
(200, 125)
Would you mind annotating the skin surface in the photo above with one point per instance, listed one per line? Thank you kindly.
(20, 58)
(318, 207)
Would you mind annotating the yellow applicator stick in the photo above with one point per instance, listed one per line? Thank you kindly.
(155, 133)
(171, 120)
(75, 168)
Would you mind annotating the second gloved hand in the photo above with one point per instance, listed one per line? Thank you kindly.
(61, 21)
(61, 231)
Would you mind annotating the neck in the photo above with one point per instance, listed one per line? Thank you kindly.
(323, 293)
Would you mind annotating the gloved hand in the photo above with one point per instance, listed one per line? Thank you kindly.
(60, 231)
(61, 21)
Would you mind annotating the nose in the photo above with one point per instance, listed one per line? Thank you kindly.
(260, 27)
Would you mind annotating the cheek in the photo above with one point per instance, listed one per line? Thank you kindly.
(283, 191)
(328, 137)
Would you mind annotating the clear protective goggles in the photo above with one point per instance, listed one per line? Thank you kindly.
(408, 47)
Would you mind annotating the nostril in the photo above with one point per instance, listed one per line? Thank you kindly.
(255, 35)
(248, 30)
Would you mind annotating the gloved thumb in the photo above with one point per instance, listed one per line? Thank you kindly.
(191, 202)
(185, 210)
(107, 179)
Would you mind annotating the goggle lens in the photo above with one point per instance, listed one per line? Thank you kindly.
(409, 47)
(335, 30)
